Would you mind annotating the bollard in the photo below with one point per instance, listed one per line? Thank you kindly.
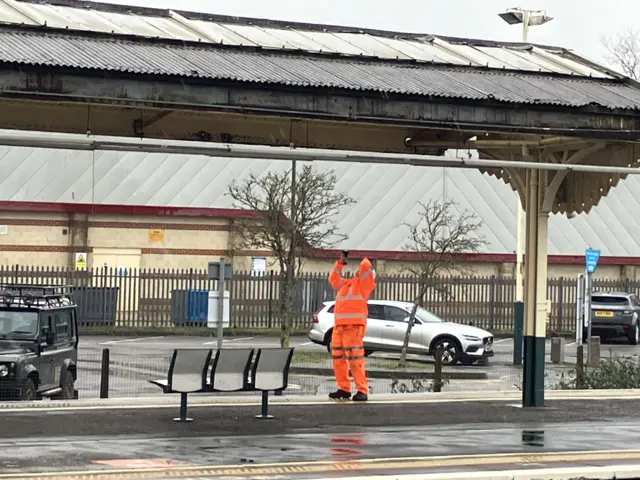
(594, 352)
(437, 370)
(580, 367)
(104, 374)
(518, 326)
(557, 349)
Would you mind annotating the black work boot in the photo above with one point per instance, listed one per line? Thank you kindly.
(360, 397)
(340, 395)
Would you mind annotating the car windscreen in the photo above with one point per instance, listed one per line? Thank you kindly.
(609, 300)
(426, 316)
(17, 323)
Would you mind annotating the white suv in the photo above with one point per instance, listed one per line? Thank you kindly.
(387, 325)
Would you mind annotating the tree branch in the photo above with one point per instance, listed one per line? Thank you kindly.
(624, 51)
(439, 235)
(269, 196)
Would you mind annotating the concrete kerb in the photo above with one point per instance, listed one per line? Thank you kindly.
(208, 400)
(618, 472)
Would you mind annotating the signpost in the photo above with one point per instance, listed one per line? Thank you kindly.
(219, 271)
(580, 310)
(591, 256)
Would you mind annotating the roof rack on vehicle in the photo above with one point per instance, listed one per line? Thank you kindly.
(29, 294)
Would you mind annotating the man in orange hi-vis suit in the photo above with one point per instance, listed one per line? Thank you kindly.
(350, 312)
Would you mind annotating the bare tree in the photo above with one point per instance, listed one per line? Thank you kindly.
(624, 51)
(311, 202)
(438, 236)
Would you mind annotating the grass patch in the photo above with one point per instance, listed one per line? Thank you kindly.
(323, 360)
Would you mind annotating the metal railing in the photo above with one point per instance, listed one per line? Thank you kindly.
(164, 298)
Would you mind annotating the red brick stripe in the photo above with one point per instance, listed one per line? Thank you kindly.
(117, 225)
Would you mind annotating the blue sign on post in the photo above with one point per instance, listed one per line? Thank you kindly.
(591, 256)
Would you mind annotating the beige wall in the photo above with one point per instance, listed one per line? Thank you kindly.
(43, 239)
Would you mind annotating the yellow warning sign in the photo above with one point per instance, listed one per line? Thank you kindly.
(81, 261)
(156, 235)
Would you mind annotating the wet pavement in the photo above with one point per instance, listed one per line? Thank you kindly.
(318, 440)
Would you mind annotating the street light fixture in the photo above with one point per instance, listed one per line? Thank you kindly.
(528, 18)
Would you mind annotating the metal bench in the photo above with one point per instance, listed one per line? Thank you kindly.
(187, 374)
(232, 370)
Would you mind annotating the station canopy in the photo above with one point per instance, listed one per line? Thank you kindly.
(269, 82)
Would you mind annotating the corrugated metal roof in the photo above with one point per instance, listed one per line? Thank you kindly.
(49, 49)
(387, 195)
(70, 15)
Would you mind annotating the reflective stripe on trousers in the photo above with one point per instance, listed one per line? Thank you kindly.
(335, 355)
(354, 352)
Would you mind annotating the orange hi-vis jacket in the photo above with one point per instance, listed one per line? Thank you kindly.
(352, 294)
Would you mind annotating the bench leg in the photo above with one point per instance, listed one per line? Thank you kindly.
(264, 415)
(183, 410)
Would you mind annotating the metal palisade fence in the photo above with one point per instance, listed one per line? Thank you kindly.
(111, 297)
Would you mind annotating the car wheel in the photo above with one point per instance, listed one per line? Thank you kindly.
(28, 391)
(68, 389)
(634, 335)
(451, 351)
(327, 340)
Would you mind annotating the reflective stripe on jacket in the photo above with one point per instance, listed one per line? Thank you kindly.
(352, 293)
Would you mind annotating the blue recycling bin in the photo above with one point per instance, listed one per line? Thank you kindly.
(190, 307)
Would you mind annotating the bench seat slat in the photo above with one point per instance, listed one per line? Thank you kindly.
(162, 383)
(230, 370)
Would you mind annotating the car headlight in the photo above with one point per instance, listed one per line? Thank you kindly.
(4, 370)
(471, 338)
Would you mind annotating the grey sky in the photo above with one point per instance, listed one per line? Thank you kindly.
(578, 24)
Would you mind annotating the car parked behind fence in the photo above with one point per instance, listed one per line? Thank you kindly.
(387, 323)
(615, 314)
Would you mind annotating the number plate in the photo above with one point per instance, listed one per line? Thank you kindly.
(600, 313)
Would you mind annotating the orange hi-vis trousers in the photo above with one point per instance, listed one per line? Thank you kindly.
(347, 352)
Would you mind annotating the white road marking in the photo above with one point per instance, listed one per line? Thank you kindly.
(241, 339)
(569, 344)
(139, 339)
(305, 344)
(501, 340)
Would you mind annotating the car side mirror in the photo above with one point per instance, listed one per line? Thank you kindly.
(49, 338)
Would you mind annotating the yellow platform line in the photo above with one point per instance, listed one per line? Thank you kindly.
(326, 466)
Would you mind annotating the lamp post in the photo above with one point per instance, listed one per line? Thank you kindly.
(528, 18)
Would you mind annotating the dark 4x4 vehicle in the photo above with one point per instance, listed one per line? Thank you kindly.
(615, 314)
(38, 342)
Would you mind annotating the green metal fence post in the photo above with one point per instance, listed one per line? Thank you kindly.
(518, 325)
